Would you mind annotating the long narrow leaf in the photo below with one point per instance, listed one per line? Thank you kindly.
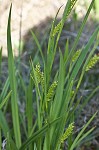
(80, 31)
(12, 78)
(5, 100)
(53, 43)
(38, 45)
(37, 134)
(83, 54)
(81, 132)
(3, 123)
(4, 90)
(29, 106)
(84, 136)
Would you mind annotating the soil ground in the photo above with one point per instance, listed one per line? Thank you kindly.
(30, 12)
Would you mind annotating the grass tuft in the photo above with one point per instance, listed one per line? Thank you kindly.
(50, 99)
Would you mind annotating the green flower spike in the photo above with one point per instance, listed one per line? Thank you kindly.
(51, 90)
(76, 55)
(67, 132)
(92, 62)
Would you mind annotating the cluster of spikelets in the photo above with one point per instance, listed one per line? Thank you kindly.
(51, 90)
(58, 26)
(76, 55)
(67, 133)
(92, 62)
(72, 3)
(40, 79)
(39, 75)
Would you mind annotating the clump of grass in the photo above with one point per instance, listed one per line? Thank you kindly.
(55, 107)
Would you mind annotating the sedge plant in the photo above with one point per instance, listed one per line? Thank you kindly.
(51, 123)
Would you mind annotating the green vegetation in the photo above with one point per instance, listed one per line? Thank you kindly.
(48, 120)
(97, 8)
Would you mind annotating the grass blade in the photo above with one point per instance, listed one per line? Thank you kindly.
(85, 135)
(12, 78)
(89, 97)
(10, 143)
(81, 132)
(80, 30)
(29, 106)
(5, 100)
(38, 134)
(83, 54)
(38, 45)
(3, 124)
(53, 42)
(4, 90)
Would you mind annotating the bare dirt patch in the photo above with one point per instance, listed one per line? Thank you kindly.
(31, 13)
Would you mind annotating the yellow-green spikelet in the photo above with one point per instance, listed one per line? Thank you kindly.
(51, 90)
(92, 62)
(67, 133)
